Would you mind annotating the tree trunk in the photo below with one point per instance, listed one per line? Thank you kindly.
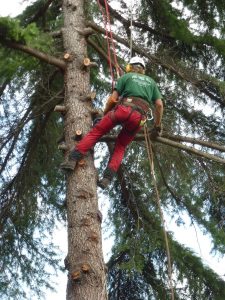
(86, 279)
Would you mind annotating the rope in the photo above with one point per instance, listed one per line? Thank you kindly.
(110, 41)
(151, 163)
(131, 29)
(104, 16)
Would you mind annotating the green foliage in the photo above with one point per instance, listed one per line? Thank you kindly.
(32, 199)
(11, 30)
(183, 45)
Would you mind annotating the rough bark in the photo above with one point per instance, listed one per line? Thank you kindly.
(86, 278)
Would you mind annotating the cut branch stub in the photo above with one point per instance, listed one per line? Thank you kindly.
(78, 135)
(61, 139)
(99, 216)
(76, 275)
(94, 236)
(68, 56)
(95, 112)
(87, 63)
(85, 31)
(82, 162)
(71, 5)
(81, 267)
(63, 146)
(89, 97)
(86, 222)
(85, 267)
(60, 108)
(66, 263)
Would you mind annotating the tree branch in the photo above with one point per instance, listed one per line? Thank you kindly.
(140, 137)
(184, 74)
(190, 150)
(126, 23)
(41, 11)
(100, 51)
(36, 53)
(3, 86)
(194, 141)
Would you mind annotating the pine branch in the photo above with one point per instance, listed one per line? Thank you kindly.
(194, 141)
(56, 34)
(140, 137)
(126, 23)
(190, 150)
(36, 53)
(41, 11)
(183, 73)
(12, 191)
(100, 51)
(3, 86)
(142, 215)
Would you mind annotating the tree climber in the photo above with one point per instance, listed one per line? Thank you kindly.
(128, 105)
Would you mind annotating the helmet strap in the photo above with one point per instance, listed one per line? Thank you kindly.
(136, 69)
(128, 68)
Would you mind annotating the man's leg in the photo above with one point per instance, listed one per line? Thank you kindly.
(89, 140)
(127, 134)
(122, 141)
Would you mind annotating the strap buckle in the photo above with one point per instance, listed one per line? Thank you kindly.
(129, 100)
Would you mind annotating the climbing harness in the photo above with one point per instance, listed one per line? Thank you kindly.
(151, 163)
(141, 106)
(136, 103)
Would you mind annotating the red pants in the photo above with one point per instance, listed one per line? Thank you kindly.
(130, 120)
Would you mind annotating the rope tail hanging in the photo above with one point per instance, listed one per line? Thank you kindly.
(151, 163)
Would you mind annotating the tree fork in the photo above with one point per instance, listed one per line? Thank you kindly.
(84, 242)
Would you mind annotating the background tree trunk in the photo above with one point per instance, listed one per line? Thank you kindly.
(85, 264)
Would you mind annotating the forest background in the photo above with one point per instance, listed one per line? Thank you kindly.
(194, 239)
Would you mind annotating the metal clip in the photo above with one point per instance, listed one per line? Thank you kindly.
(150, 115)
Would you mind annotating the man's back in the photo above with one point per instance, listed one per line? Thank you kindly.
(138, 85)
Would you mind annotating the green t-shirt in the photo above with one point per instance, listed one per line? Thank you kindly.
(138, 85)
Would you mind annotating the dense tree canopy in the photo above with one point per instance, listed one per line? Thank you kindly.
(183, 45)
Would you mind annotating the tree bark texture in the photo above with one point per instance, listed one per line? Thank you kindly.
(86, 278)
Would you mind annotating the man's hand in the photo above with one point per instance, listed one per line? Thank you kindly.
(155, 132)
(111, 102)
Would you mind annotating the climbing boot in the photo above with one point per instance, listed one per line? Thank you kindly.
(70, 164)
(107, 178)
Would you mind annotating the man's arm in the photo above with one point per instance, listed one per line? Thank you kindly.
(111, 102)
(158, 113)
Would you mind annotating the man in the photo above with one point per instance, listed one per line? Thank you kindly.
(128, 105)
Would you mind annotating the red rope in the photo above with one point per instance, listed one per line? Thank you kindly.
(110, 41)
(111, 36)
